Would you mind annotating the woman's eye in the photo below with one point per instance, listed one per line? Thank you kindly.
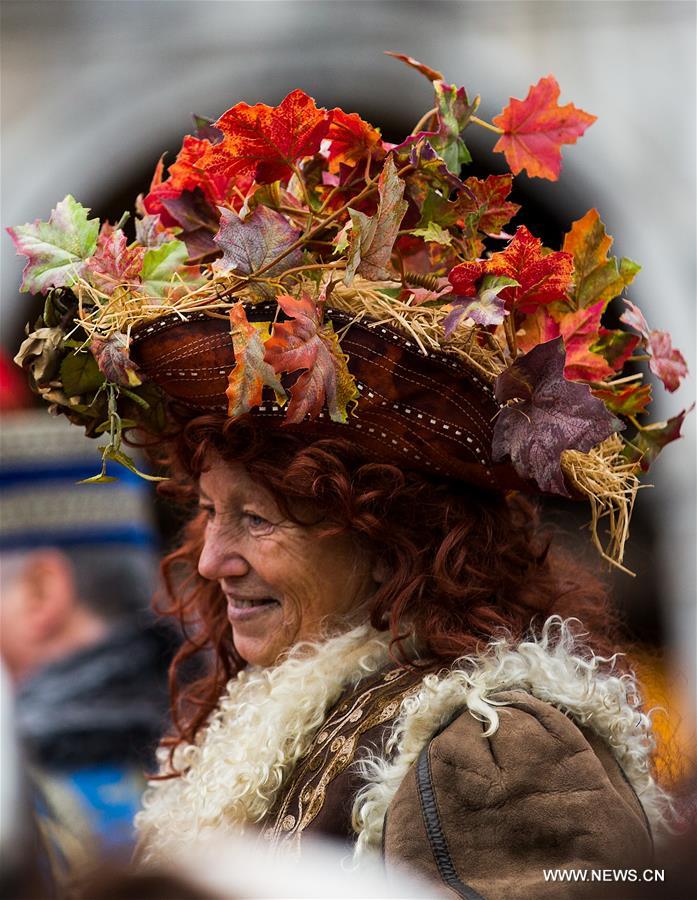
(257, 523)
(208, 511)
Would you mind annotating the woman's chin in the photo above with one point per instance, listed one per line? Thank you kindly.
(261, 638)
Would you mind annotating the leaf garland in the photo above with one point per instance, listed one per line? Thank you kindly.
(278, 202)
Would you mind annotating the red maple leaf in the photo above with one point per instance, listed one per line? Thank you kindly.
(306, 343)
(464, 277)
(535, 129)
(351, 140)
(266, 142)
(543, 278)
(493, 210)
(185, 174)
(114, 262)
(580, 331)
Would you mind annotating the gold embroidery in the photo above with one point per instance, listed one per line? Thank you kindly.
(332, 752)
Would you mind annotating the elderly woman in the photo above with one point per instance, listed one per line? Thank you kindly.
(362, 392)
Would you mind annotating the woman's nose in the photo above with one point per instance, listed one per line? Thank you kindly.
(220, 557)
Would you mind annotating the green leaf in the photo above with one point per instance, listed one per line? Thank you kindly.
(106, 426)
(120, 457)
(433, 232)
(79, 374)
(159, 266)
(56, 250)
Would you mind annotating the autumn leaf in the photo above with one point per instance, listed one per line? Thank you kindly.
(485, 308)
(464, 277)
(537, 328)
(198, 220)
(185, 174)
(491, 208)
(114, 263)
(351, 140)
(545, 415)
(623, 400)
(596, 276)
(648, 442)
(266, 142)
(434, 232)
(251, 372)
(372, 238)
(419, 296)
(150, 232)
(615, 346)
(634, 317)
(306, 343)
(114, 361)
(40, 354)
(205, 128)
(580, 331)
(80, 374)
(542, 278)
(536, 128)
(429, 73)
(453, 112)
(665, 361)
(56, 250)
(165, 272)
(252, 244)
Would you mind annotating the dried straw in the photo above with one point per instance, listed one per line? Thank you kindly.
(610, 483)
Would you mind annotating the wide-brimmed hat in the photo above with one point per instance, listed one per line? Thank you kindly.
(293, 267)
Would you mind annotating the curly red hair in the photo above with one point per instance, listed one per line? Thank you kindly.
(465, 564)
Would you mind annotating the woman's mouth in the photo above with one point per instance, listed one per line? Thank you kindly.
(240, 609)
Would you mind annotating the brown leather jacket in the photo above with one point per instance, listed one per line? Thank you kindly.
(487, 816)
(480, 817)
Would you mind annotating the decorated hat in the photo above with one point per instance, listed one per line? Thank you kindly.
(292, 266)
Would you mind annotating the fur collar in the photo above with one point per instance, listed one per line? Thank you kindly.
(264, 723)
(267, 719)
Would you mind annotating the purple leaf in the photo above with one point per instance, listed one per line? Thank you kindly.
(251, 244)
(551, 415)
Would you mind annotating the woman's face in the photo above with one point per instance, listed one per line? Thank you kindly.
(281, 581)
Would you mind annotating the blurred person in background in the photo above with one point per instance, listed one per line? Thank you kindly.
(77, 571)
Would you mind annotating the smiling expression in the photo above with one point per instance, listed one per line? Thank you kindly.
(282, 581)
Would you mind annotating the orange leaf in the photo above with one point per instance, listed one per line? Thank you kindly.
(596, 276)
(543, 278)
(535, 129)
(305, 343)
(351, 139)
(267, 141)
(625, 401)
(537, 328)
(251, 372)
(580, 331)
(493, 210)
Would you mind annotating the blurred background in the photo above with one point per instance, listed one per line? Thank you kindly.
(93, 92)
